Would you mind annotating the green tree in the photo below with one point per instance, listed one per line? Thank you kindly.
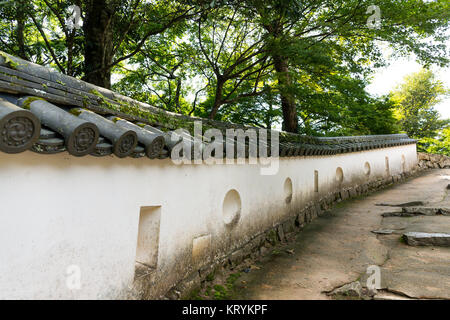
(438, 145)
(158, 73)
(415, 99)
(37, 31)
(304, 63)
(113, 32)
(117, 30)
(296, 30)
(232, 58)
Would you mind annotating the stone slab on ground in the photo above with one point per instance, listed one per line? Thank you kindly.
(419, 272)
(427, 239)
(406, 204)
(352, 289)
(401, 225)
(383, 231)
(383, 295)
(418, 211)
(427, 211)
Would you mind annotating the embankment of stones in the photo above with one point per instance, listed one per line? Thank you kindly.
(430, 161)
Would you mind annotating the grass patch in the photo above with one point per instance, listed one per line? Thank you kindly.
(195, 295)
(210, 277)
(402, 239)
(226, 291)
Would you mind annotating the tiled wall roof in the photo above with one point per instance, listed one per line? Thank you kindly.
(48, 112)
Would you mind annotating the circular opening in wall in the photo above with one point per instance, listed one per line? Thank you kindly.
(288, 190)
(231, 209)
(339, 175)
(367, 169)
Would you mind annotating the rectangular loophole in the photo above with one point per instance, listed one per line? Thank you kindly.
(148, 236)
(386, 161)
(316, 181)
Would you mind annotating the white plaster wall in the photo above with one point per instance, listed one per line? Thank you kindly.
(58, 210)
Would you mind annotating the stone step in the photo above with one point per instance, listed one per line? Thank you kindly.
(427, 211)
(427, 239)
(418, 211)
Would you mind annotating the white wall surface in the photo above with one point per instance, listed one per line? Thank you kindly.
(57, 211)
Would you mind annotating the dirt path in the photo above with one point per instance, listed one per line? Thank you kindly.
(337, 248)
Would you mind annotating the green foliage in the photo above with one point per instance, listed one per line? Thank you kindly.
(225, 292)
(36, 31)
(415, 100)
(160, 77)
(439, 145)
(243, 61)
(319, 41)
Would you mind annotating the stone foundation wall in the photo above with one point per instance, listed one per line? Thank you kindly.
(437, 161)
(260, 244)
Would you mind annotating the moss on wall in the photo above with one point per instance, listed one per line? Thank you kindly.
(26, 103)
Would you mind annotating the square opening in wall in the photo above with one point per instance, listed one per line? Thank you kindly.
(316, 181)
(387, 169)
(148, 236)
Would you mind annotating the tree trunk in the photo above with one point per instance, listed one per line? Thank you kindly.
(268, 119)
(98, 33)
(217, 99)
(20, 30)
(177, 96)
(290, 117)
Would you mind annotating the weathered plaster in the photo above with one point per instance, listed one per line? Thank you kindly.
(57, 211)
